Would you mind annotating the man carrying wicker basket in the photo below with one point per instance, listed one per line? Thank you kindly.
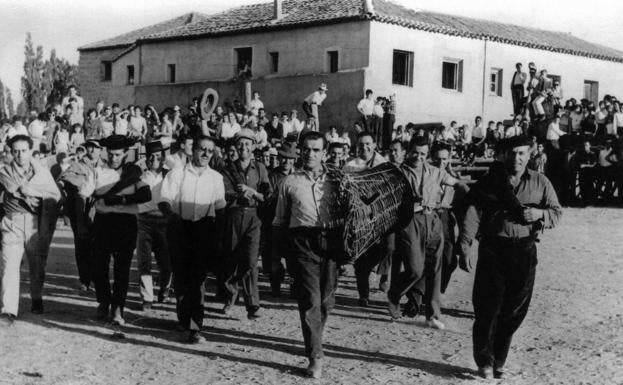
(308, 213)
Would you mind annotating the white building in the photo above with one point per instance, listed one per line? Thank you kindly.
(441, 67)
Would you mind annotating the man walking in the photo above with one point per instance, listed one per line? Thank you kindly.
(306, 211)
(511, 205)
(29, 194)
(192, 199)
(151, 227)
(420, 243)
(118, 190)
(246, 186)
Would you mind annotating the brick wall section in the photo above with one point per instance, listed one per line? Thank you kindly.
(89, 76)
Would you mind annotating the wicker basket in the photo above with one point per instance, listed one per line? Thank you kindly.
(377, 201)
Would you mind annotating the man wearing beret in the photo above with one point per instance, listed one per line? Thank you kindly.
(246, 186)
(118, 191)
(509, 207)
(152, 229)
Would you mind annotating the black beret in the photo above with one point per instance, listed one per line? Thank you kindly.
(117, 142)
(155, 146)
(512, 142)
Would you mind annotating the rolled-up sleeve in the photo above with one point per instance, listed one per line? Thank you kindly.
(282, 212)
(219, 193)
(170, 187)
(470, 225)
(552, 211)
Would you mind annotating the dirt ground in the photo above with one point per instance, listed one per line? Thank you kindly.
(573, 333)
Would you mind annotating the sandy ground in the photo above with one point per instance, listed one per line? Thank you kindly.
(573, 333)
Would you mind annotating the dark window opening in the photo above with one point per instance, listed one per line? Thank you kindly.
(452, 75)
(402, 68)
(171, 73)
(130, 80)
(274, 62)
(106, 71)
(244, 62)
(333, 61)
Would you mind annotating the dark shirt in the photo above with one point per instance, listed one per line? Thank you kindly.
(533, 190)
(255, 176)
(274, 132)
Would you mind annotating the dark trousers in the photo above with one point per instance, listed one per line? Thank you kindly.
(518, 95)
(281, 249)
(83, 247)
(192, 245)
(376, 128)
(152, 237)
(420, 245)
(502, 292)
(114, 235)
(315, 281)
(307, 109)
(388, 127)
(242, 246)
(377, 255)
(448, 260)
(587, 184)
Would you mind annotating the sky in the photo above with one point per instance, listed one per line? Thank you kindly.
(67, 24)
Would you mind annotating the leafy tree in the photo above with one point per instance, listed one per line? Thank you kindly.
(10, 105)
(3, 114)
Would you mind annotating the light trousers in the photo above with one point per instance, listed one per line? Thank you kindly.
(20, 236)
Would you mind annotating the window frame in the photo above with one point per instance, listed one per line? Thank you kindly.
(130, 80)
(273, 57)
(236, 58)
(458, 74)
(409, 58)
(171, 75)
(106, 68)
(328, 60)
(498, 83)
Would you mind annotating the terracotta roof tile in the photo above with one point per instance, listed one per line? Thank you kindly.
(127, 39)
(301, 13)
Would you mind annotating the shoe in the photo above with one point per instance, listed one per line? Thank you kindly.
(486, 372)
(37, 306)
(145, 306)
(254, 313)
(117, 318)
(84, 288)
(363, 302)
(314, 370)
(195, 337)
(7, 320)
(435, 324)
(102, 311)
(164, 296)
(227, 309)
(498, 372)
(394, 309)
(383, 284)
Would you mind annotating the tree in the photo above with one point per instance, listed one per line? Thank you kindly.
(3, 114)
(10, 105)
(33, 87)
(59, 75)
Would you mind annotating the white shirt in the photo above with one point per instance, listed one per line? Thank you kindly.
(467, 135)
(36, 129)
(513, 131)
(479, 132)
(154, 181)
(17, 130)
(366, 107)
(105, 179)
(378, 110)
(79, 104)
(554, 132)
(316, 98)
(288, 127)
(174, 161)
(617, 119)
(255, 105)
(229, 130)
(358, 164)
(297, 125)
(193, 196)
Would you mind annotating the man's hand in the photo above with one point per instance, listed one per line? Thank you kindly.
(466, 256)
(33, 202)
(532, 214)
(27, 191)
(246, 191)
